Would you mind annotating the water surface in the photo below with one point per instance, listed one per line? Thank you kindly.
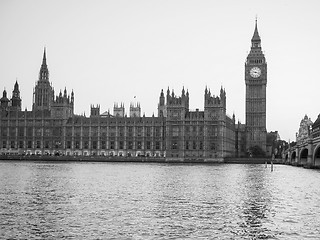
(42, 200)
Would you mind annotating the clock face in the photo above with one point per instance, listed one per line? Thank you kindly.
(255, 72)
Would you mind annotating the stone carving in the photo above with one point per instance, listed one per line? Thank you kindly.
(304, 129)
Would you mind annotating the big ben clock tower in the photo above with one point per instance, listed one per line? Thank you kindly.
(256, 83)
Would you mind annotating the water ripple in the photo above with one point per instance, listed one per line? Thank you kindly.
(157, 201)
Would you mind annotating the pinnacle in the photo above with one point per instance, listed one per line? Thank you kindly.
(256, 36)
(44, 60)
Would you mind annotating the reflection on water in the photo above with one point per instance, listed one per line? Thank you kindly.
(256, 205)
(157, 201)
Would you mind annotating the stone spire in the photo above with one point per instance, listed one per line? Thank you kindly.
(43, 92)
(255, 40)
(44, 72)
(44, 60)
(16, 86)
(15, 99)
(4, 101)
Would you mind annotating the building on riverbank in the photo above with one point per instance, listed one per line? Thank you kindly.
(306, 150)
(52, 128)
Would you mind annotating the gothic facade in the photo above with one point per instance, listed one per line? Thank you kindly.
(52, 128)
(256, 84)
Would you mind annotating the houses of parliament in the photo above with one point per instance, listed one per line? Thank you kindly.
(52, 127)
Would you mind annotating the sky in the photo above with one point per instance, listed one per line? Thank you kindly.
(127, 51)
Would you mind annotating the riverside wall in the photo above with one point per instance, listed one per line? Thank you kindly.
(135, 159)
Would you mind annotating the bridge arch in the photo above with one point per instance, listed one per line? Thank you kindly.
(303, 156)
(293, 157)
(316, 156)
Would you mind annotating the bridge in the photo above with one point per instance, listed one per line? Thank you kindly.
(306, 151)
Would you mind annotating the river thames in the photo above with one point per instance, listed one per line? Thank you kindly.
(49, 200)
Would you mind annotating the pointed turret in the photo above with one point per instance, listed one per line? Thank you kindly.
(256, 40)
(4, 94)
(44, 59)
(15, 99)
(161, 105)
(72, 97)
(43, 94)
(206, 96)
(4, 101)
(44, 72)
(16, 92)
(16, 86)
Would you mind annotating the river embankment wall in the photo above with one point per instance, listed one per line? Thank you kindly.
(134, 159)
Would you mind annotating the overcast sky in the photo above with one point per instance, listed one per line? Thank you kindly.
(111, 51)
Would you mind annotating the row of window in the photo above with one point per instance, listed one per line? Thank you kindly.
(194, 129)
(85, 131)
(192, 145)
(256, 61)
(85, 145)
(29, 131)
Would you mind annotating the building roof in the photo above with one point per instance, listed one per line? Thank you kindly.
(256, 36)
(316, 123)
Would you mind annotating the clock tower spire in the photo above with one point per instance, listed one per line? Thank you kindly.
(256, 41)
(256, 84)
